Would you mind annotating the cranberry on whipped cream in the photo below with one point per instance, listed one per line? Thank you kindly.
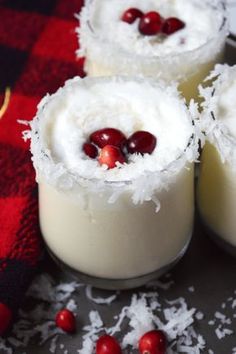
(131, 15)
(172, 25)
(115, 147)
(152, 23)
(107, 136)
(141, 142)
(90, 150)
(111, 155)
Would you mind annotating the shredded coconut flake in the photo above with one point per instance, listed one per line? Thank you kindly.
(146, 310)
(99, 300)
(53, 345)
(199, 315)
(191, 289)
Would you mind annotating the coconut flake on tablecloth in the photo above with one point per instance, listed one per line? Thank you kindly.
(99, 300)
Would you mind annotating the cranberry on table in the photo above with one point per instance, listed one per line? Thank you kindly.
(5, 318)
(151, 23)
(131, 15)
(141, 142)
(65, 320)
(172, 25)
(108, 136)
(107, 345)
(110, 155)
(153, 342)
(90, 150)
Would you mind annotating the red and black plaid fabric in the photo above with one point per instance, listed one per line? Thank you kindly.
(37, 54)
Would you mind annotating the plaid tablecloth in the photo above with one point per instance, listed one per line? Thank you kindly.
(37, 54)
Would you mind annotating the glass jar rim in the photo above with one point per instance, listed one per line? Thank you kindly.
(191, 143)
(226, 133)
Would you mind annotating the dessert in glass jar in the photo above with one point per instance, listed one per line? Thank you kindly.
(169, 39)
(216, 194)
(114, 160)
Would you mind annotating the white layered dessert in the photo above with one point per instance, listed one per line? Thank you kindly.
(217, 183)
(121, 220)
(117, 40)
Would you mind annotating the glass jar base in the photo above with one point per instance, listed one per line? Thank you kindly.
(219, 241)
(117, 284)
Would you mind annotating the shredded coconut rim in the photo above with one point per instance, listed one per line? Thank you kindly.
(215, 130)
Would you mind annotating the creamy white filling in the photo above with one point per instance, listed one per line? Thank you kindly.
(83, 106)
(202, 19)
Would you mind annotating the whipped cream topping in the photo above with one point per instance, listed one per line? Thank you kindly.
(66, 119)
(220, 100)
(203, 21)
(84, 106)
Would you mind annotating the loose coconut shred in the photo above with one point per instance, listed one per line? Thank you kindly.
(144, 311)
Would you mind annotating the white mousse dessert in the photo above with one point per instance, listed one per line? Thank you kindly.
(172, 39)
(114, 208)
(217, 183)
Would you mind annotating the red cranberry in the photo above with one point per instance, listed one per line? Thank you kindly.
(153, 342)
(65, 320)
(108, 136)
(81, 65)
(107, 345)
(150, 23)
(90, 150)
(172, 25)
(109, 155)
(81, 61)
(131, 15)
(5, 318)
(141, 142)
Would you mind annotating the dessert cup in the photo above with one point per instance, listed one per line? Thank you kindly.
(123, 226)
(113, 47)
(216, 192)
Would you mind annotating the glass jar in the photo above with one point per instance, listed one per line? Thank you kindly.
(189, 68)
(110, 231)
(118, 245)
